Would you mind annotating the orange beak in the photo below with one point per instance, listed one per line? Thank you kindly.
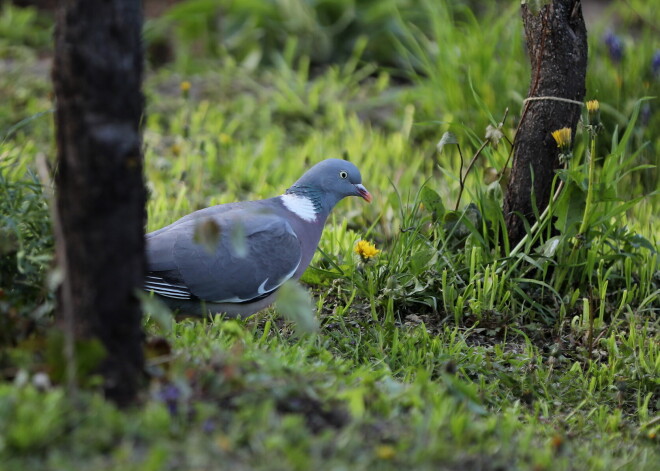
(363, 192)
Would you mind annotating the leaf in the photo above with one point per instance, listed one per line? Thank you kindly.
(569, 210)
(549, 249)
(638, 241)
(606, 192)
(23, 123)
(451, 217)
(456, 222)
(54, 278)
(432, 202)
(295, 304)
(207, 234)
(8, 241)
(491, 205)
(88, 356)
(316, 276)
(535, 5)
(156, 310)
(238, 239)
(447, 138)
(252, 60)
(490, 175)
(193, 7)
(421, 259)
(495, 193)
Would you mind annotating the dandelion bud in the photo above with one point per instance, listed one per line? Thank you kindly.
(185, 88)
(593, 110)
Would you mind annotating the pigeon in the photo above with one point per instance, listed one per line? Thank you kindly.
(232, 258)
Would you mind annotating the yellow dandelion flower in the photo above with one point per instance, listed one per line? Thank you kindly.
(223, 442)
(366, 250)
(563, 139)
(385, 452)
(185, 86)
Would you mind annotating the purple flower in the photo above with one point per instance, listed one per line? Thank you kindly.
(614, 46)
(208, 426)
(170, 395)
(655, 64)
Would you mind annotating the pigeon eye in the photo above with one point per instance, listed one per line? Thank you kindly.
(343, 174)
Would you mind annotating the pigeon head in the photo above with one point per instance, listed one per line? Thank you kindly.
(328, 182)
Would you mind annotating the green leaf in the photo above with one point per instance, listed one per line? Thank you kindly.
(549, 248)
(295, 304)
(238, 239)
(155, 309)
(569, 210)
(8, 241)
(421, 259)
(637, 241)
(88, 356)
(460, 224)
(535, 5)
(491, 205)
(432, 202)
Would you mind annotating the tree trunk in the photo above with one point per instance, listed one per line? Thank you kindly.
(557, 46)
(100, 206)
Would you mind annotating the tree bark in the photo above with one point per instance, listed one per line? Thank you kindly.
(557, 47)
(100, 204)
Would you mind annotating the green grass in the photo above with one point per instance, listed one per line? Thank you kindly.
(450, 350)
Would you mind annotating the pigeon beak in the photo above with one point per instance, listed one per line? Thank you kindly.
(362, 191)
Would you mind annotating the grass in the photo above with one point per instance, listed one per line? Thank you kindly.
(451, 349)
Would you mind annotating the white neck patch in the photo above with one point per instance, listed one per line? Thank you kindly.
(300, 206)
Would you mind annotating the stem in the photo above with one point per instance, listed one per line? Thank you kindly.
(590, 184)
(372, 297)
(584, 225)
(461, 182)
(590, 333)
(463, 176)
(539, 221)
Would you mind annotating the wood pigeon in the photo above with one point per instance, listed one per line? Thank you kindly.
(255, 246)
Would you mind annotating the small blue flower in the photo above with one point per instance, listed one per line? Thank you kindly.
(208, 426)
(170, 395)
(655, 64)
(614, 46)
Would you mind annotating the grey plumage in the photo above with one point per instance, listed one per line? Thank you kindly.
(258, 245)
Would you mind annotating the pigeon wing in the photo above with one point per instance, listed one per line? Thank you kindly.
(255, 253)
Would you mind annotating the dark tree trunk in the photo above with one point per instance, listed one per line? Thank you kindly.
(100, 208)
(557, 46)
